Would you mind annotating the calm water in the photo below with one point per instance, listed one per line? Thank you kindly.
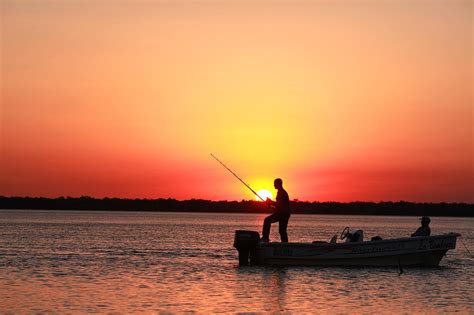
(166, 262)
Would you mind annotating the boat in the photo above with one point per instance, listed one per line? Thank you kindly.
(399, 252)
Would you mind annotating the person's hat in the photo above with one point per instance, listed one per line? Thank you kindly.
(425, 219)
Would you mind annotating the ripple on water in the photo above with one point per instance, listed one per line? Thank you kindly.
(166, 262)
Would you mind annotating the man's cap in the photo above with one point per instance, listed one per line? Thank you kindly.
(425, 219)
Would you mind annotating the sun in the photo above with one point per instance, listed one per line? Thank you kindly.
(264, 194)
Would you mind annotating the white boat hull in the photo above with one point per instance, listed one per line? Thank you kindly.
(408, 251)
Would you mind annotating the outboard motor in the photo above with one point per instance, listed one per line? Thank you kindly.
(246, 244)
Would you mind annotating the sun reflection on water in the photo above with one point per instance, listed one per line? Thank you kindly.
(167, 262)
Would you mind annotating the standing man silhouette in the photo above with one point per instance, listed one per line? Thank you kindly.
(281, 215)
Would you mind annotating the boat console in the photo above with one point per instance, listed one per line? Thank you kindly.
(356, 236)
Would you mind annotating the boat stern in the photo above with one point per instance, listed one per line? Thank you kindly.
(246, 244)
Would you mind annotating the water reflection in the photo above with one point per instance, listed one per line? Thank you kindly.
(150, 262)
(267, 284)
(277, 281)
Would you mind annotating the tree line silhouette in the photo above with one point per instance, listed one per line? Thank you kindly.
(244, 206)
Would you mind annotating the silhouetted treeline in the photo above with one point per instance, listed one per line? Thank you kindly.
(244, 206)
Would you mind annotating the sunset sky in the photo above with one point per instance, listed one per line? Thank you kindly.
(344, 100)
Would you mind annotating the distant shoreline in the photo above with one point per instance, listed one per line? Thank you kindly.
(399, 208)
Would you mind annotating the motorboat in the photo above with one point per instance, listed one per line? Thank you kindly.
(400, 252)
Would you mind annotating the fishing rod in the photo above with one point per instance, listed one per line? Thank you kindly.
(241, 180)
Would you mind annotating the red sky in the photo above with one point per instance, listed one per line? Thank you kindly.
(344, 100)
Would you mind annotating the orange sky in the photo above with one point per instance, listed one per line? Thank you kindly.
(345, 100)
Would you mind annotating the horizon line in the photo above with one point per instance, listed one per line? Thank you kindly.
(242, 200)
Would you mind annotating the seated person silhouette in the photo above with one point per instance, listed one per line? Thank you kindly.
(424, 229)
(281, 215)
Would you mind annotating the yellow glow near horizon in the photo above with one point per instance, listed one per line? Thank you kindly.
(343, 100)
(264, 193)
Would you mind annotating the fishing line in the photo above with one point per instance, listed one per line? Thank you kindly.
(466, 247)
